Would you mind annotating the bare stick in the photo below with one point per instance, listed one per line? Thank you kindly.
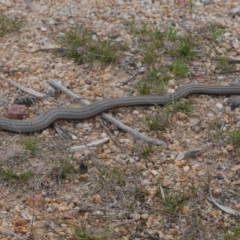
(108, 132)
(11, 233)
(105, 116)
(89, 145)
(130, 78)
(28, 90)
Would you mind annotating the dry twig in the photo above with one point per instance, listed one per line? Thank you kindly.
(28, 90)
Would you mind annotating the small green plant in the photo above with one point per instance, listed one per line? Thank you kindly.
(114, 175)
(156, 37)
(31, 145)
(170, 204)
(8, 173)
(8, 25)
(132, 26)
(152, 43)
(174, 204)
(179, 68)
(130, 205)
(207, 179)
(216, 33)
(149, 53)
(142, 30)
(235, 235)
(79, 46)
(150, 39)
(223, 63)
(191, 6)
(183, 106)
(82, 233)
(75, 38)
(64, 169)
(159, 121)
(67, 168)
(104, 51)
(186, 46)
(144, 88)
(154, 82)
(146, 151)
(172, 34)
(235, 137)
(140, 193)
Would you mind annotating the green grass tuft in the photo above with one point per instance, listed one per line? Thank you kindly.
(79, 45)
(83, 233)
(179, 68)
(172, 34)
(235, 137)
(113, 175)
(235, 235)
(8, 25)
(183, 106)
(31, 145)
(154, 82)
(9, 174)
(140, 193)
(216, 33)
(186, 46)
(223, 63)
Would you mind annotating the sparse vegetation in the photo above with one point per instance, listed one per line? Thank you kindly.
(65, 168)
(154, 81)
(78, 44)
(171, 204)
(146, 151)
(235, 137)
(172, 34)
(179, 68)
(235, 235)
(150, 39)
(83, 233)
(160, 120)
(186, 46)
(31, 145)
(191, 6)
(140, 193)
(8, 25)
(182, 106)
(155, 45)
(10, 174)
(223, 63)
(216, 33)
(207, 180)
(113, 175)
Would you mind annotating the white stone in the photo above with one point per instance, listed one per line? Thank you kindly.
(219, 105)
(43, 29)
(7, 3)
(135, 112)
(186, 168)
(136, 216)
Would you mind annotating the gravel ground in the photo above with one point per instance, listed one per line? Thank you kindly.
(117, 192)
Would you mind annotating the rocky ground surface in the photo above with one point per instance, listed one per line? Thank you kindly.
(118, 192)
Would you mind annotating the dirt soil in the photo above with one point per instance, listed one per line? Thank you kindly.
(117, 191)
